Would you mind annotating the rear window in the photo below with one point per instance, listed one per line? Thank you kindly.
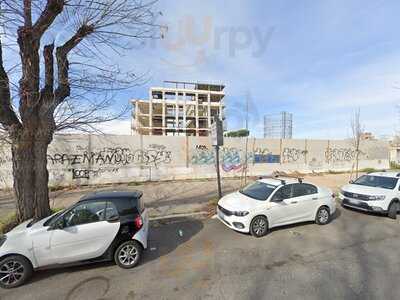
(304, 189)
(377, 181)
(127, 206)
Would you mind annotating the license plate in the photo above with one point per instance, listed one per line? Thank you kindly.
(354, 201)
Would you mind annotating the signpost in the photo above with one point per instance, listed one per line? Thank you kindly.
(217, 139)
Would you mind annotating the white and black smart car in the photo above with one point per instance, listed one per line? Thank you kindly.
(101, 226)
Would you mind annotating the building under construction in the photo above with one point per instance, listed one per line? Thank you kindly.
(178, 108)
(278, 126)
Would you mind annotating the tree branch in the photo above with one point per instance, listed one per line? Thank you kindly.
(63, 89)
(8, 118)
(46, 94)
(28, 12)
(51, 11)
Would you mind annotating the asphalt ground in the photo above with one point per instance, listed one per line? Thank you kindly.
(356, 256)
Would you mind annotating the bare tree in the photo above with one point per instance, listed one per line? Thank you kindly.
(357, 131)
(67, 77)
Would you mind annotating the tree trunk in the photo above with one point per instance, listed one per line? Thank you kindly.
(23, 172)
(42, 208)
(29, 156)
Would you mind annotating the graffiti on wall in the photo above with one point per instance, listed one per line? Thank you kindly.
(88, 164)
(89, 173)
(232, 159)
(265, 156)
(334, 155)
(154, 156)
(293, 155)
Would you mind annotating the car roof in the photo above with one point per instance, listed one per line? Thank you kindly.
(386, 174)
(278, 180)
(112, 195)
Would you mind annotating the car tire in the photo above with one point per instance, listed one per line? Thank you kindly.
(19, 270)
(393, 209)
(323, 216)
(128, 254)
(259, 226)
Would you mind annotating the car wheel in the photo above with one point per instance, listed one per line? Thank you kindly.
(323, 216)
(393, 209)
(259, 226)
(15, 270)
(128, 254)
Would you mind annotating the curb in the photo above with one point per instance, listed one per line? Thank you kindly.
(179, 216)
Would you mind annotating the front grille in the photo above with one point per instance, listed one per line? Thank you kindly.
(225, 211)
(356, 196)
(361, 205)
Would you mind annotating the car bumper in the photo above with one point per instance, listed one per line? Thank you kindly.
(370, 206)
(241, 224)
(142, 234)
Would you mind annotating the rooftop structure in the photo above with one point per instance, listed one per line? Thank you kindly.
(178, 108)
(278, 126)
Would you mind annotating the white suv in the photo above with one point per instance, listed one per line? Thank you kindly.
(273, 202)
(375, 192)
(101, 226)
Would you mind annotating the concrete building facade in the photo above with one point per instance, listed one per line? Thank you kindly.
(178, 109)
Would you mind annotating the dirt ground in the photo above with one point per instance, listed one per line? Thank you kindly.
(167, 198)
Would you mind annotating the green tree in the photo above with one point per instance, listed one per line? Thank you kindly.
(238, 133)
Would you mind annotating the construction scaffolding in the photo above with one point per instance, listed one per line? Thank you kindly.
(278, 126)
(179, 108)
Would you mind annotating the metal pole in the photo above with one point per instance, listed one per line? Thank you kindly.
(218, 174)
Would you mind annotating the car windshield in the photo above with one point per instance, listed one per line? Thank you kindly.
(258, 190)
(52, 218)
(377, 181)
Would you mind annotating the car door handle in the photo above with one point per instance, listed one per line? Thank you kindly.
(293, 202)
(315, 198)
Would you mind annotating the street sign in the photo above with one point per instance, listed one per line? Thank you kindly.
(217, 132)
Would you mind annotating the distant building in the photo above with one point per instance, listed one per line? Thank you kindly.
(367, 136)
(178, 108)
(278, 126)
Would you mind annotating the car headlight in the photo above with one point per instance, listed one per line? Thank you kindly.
(3, 240)
(376, 197)
(241, 213)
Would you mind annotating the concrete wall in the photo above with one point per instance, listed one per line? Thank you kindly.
(93, 159)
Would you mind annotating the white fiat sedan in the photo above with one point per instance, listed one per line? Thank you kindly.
(273, 202)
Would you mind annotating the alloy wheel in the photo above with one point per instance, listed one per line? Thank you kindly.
(323, 216)
(259, 226)
(128, 255)
(11, 272)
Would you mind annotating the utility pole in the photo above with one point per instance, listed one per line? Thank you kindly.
(217, 140)
(244, 169)
(218, 172)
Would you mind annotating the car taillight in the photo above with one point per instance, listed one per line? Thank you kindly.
(138, 222)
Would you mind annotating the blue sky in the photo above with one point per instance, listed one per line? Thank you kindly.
(320, 60)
